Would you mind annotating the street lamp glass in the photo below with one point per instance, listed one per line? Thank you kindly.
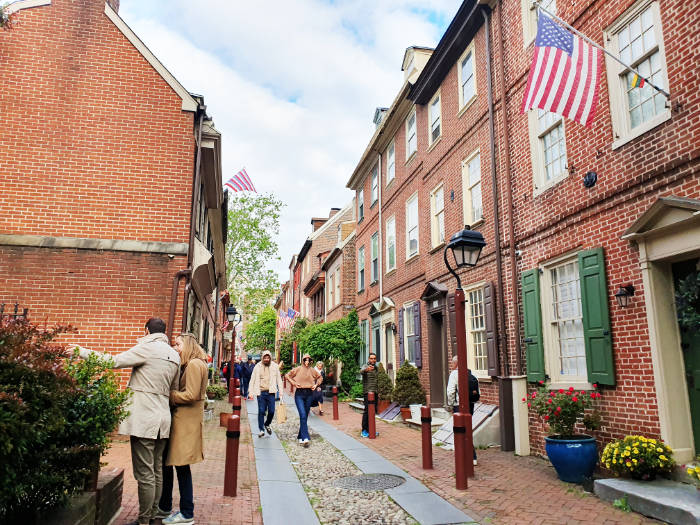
(231, 313)
(466, 247)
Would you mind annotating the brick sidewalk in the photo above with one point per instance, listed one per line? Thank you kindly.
(211, 507)
(507, 489)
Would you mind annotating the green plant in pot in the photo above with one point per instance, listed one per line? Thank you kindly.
(384, 388)
(574, 456)
(408, 389)
(216, 391)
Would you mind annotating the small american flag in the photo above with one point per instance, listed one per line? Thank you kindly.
(564, 75)
(241, 182)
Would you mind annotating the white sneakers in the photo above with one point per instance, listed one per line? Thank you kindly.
(474, 462)
(304, 442)
(261, 433)
(178, 518)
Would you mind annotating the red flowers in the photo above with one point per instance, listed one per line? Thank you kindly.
(523, 399)
(541, 382)
(571, 389)
(546, 418)
(561, 390)
(549, 401)
(574, 399)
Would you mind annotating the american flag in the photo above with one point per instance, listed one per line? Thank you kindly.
(564, 75)
(285, 320)
(241, 182)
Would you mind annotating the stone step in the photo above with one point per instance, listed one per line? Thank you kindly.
(663, 499)
(358, 407)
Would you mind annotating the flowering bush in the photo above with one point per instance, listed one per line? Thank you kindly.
(561, 409)
(638, 457)
(693, 471)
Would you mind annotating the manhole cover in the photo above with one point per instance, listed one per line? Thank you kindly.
(369, 482)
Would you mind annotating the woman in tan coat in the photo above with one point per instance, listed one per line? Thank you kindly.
(186, 433)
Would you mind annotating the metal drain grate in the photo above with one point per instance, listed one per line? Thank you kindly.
(369, 482)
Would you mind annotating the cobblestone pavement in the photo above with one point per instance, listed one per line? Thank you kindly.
(507, 489)
(318, 466)
(211, 507)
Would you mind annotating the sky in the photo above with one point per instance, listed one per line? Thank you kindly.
(291, 85)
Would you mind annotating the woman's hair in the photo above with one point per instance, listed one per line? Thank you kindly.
(319, 363)
(190, 348)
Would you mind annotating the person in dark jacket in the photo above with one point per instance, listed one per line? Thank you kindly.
(453, 391)
(369, 384)
(246, 372)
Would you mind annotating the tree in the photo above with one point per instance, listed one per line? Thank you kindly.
(253, 224)
(260, 334)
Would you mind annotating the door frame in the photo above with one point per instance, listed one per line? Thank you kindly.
(435, 297)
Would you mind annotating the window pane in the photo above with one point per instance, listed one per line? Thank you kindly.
(641, 102)
(467, 78)
(477, 211)
(566, 303)
(476, 328)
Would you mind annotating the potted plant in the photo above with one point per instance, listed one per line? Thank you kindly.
(694, 472)
(384, 388)
(216, 391)
(637, 457)
(574, 456)
(408, 389)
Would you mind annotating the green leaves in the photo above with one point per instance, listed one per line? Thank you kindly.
(408, 389)
(253, 225)
(260, 334)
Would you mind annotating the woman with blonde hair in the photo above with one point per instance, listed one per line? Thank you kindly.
(317, 398)
(186, 432)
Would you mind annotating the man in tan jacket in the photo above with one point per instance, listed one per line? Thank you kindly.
(156, 371)
(265, 382)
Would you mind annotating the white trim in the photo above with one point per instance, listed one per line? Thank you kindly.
(467, 210)
(386, 230)
(434, 229)
(539, 184)
(188, 103)
(79, 243)
(414, 114)
(471, 48)
(432, 141)
(410, 255)
(25, 4)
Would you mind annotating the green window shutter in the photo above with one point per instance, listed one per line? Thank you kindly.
(596, 319)
(532, 322)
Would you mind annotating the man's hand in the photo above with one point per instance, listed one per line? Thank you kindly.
(250, 397)
(370, 368)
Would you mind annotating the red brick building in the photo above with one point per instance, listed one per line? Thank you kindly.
(112, 207)
(454, 149)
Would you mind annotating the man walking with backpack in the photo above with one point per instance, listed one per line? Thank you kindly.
(453, 393)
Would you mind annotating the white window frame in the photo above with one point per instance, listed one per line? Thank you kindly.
(331, 291)
(374, 179)
(434, 118)
(549, 327)
(411, 134)
(621, 125)
(529, 18)
(374, 257)
(539, 172)
(437, 216)
(338, 296)
(361, 268)
(463, 104)
(408, 321)
(360, 205)
(471, 347)
(410, 227)
(390, 162)
(467, 208)
(390, 242)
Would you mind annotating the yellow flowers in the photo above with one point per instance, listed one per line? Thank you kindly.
(640, 457)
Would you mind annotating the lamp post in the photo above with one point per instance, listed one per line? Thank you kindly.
(465, 247)
(233, 318)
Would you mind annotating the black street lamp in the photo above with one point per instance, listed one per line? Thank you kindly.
(623, 295)
(465, 247)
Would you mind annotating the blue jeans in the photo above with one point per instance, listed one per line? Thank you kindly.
(184, 482)
(266, 401)
(244, 386)
(302, 399)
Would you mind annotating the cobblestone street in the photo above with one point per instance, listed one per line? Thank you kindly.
(507, 489)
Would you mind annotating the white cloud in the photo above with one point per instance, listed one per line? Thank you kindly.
(292, 86)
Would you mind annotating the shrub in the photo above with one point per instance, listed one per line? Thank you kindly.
(219, 391)
(693, 471)
(637, 457)
(384, 385)
(356, 391)
(408, 389)
(51, 414)
(561, 409)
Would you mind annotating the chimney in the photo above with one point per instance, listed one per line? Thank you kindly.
(317, 222)
(333, 212)
(114, 4)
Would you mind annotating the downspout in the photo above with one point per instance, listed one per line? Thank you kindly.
(379, 238)
(503, 351)
(509, 196)
(187, 273)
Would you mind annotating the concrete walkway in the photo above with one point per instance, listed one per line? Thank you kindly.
(416, 499)
(282, 496)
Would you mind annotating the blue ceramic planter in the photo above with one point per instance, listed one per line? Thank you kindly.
(573, 459)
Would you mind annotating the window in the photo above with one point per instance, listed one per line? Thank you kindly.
(471, 184)
(529, 16)
(566, 321)
(331, 291)
(412, 226)
(375, 184)
(390, 163)
(411, 140)
(361, 269)
(338, 297)
(409, 332)
(360, 205)
(467, 79)
(476, 332)
(364, 345)
(636, 38)
(437, 216)
(340, 234)
(377, 338)
(374, 253)
(548, 147)
(434, 119)
(391, 244)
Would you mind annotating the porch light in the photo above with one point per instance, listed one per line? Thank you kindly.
(232, 315)
(466, 247)
(623, 295)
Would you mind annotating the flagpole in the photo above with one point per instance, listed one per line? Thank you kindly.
(555, 17)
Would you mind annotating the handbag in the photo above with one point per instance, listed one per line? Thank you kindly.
(282, 413)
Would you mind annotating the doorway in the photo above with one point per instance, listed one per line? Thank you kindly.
(686, 282)
(389, 350)
(437, 350)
